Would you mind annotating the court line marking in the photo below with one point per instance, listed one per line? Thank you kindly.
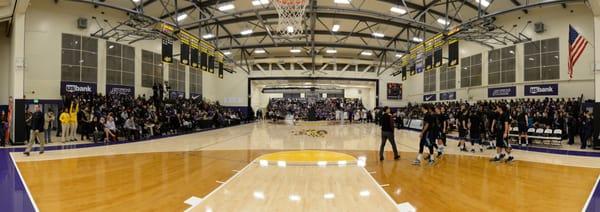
(24, 183)
(223, 184)
(591, 195)
(379, 187)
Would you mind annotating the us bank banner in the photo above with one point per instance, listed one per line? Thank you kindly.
(76, 87)
(541, 90)
(120, 90)
(502, 92)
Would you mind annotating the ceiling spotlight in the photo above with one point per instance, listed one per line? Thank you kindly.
(226, 7)
(182, 16)
(208, 36)
(342, 1)
(443, 21)
(136, 1)
(295, 50)
(417, 39)
(290, 29)
(260, 2)
(398, 10)
(330, 51)
(259, 51)
(378, 34)
(227, 53)
(111, 46)
(366, 53)
(246, 32)
(484, 3)
(335, 28)
(328, 196)
(399, 55)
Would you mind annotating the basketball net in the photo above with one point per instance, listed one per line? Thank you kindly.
(291, 14)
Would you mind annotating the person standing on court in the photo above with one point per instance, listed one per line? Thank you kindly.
(48, 122)
(387, 133)
(64, 119)
(37, 126)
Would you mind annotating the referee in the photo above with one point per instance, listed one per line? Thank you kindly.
(387, 133)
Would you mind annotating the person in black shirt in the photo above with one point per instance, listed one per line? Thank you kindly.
(427, 137)
(474, 125)
(462, 118)
(501, 127)
(522, 125)
(387, 133)
(437, 130)
(586, 129)
(445, 119)
(37, 126)
(572, 128)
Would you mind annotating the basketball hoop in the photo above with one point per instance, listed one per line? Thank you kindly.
(291, 14)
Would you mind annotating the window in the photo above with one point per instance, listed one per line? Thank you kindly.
(195, 81)
(447, 77)
(501, 65)
(429, 81)
(541, 60)
(177, 76)
(470, 72)
(120, 65)
(152, 69)
(79, 59)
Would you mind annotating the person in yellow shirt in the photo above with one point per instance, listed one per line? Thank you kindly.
(64, 119)
(73, 120)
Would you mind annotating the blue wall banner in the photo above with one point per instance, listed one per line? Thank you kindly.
(448, 95)
(502, 92)
(120, 90)
(429, 97)
(176, 94)
(76, 87)
(541, 90)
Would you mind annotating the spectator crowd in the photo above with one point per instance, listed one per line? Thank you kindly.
(318, 109)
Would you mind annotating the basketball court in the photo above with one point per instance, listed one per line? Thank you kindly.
(282, 105)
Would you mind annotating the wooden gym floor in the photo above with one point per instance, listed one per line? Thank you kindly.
(160, 175)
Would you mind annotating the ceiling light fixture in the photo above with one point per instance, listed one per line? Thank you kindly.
(226, 7)
(484, 3)
(227, 53)
(208, 36)
(335, 28)
(399, 55)
(295, 50)
(443, 21)
(259, 51)
(260, 2)
(331, 51)
(182, 17)
(366, 53)
(342, 1)
(398, 10)
(246, 32)
(417, 39)
(378, 34)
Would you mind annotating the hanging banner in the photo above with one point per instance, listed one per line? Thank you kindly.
(120, 90)
(194, 43)
(167, 51)
(394, 91)
(541, 90)
(176, 94)
(419, 65)
(184, 49)
(211, 59)
(453, 52)
(448, 96)
(502, 92)
(77, 87)
(404, 73)
(203, 56)
(221, 66)
(437, 58)
(429, 97)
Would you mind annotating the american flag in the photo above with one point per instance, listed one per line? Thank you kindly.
(577, 44)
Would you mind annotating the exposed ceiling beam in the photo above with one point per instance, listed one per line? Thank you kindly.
(244, 19)
(517, 3)
(421, 8)
(146, 3)
(317, 32)
(319, 44)
(202, 4)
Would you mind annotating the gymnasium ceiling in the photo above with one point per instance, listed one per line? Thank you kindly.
(358, 21)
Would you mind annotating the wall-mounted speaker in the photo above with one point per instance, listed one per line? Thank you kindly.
(82, 23)
(539, 27)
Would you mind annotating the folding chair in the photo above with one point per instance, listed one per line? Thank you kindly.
(558, 135)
